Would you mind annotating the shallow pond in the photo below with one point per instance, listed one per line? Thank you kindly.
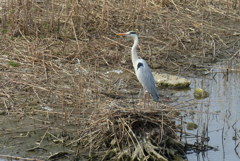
(217, 116)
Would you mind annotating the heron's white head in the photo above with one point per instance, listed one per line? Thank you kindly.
(129, 34)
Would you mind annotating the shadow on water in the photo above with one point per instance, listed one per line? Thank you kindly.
(218, 116)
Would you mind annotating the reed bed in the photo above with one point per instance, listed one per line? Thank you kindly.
(55, 56)
(132, 134)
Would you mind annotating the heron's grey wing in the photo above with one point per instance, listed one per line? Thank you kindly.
(145, 77)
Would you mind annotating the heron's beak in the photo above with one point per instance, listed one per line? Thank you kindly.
(121, 34)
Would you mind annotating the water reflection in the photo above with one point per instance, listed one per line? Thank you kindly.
(218, 116)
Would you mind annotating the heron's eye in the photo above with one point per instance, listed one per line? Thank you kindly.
(132, 32)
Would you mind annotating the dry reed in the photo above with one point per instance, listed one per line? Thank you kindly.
(55, 54)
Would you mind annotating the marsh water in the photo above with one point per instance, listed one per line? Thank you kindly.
(217, 116)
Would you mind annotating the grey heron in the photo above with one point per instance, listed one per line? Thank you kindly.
(142, 70)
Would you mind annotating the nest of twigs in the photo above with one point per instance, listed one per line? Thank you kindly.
(133, 134)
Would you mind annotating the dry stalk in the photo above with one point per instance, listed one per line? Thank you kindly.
(56, 53)
(131, 133)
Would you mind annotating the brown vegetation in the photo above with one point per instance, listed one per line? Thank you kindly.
(55, 54)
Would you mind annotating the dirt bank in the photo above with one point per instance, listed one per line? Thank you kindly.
(55, 55)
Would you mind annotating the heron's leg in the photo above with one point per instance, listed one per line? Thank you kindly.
(139, 94)
(144, 100)
(148, 98)
(143, 95)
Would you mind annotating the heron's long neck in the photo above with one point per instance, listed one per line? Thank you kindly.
(134, 51)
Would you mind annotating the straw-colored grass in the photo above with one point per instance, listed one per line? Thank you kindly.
(131, 134)
(55, 53)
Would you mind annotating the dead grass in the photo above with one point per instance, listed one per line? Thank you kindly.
(171, 32)
(56, 53)
(131, 134)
